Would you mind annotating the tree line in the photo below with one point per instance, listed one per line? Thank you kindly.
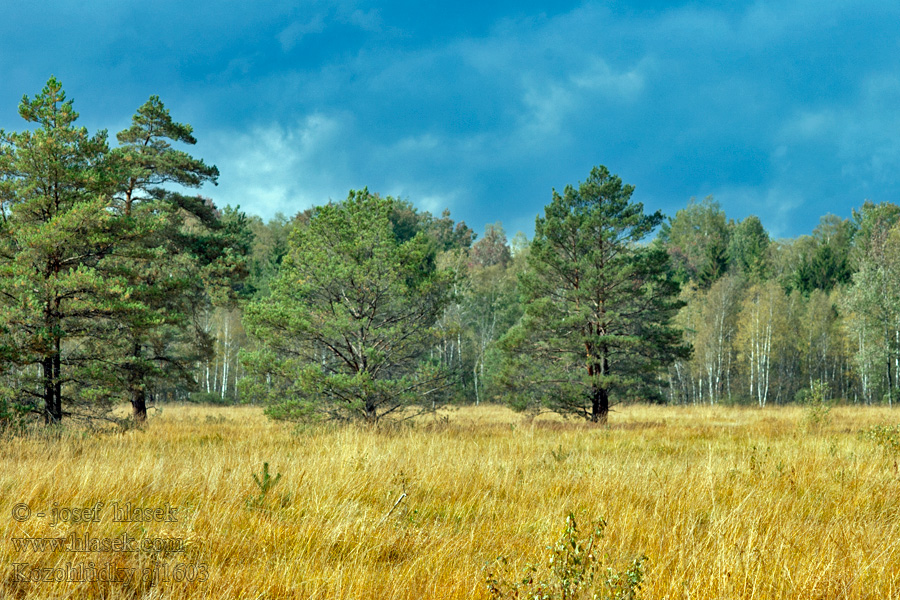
(118, 285)
(740, 318)
(769, 318)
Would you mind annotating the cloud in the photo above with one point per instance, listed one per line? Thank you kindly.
(319, 158)
(750, 103)
(775, 205)
(785, 109)
(845, 149)
(290, 36)
(598, 76)
(280, 169)
(367, 20)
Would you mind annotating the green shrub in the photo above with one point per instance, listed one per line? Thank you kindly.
(818, 405)
(886, 436)
(574, 572)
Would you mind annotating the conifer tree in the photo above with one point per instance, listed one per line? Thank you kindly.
(346, 331)
(55, 200)
(102, 269)
(597, 304)
(182, 248)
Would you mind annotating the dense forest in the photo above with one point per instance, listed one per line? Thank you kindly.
(117, 286)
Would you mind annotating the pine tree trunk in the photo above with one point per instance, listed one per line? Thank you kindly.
(139, 405)
(57, 380)
(371, 412)
(599, 404)
(51, 371)
(600, 395)
(136, 388)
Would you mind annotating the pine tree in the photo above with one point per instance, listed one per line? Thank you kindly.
(161, 265)
(57, 225)
(102, 269)
(346, 331)
(598, 304)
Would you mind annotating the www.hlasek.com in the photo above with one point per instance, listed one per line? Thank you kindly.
(108, 571)
(88, 543)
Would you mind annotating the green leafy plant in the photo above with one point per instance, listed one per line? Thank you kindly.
(818, 406)
(886, 436)
(574, 572)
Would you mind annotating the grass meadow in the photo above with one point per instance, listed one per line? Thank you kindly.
(733, 503)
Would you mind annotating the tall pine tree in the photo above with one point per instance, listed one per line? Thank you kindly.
(57, 225)
(598, 304)
(182, 249)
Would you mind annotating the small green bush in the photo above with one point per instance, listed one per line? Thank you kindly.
(574, 572)
(818, 405)
(886, 436)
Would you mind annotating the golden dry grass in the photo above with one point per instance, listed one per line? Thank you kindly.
(724, 502)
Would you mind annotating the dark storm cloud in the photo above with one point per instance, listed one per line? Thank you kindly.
(782, 109)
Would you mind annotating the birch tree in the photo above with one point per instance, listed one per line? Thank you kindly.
(714, 345)
(759, 328)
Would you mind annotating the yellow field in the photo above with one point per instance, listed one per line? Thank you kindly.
(725, 503)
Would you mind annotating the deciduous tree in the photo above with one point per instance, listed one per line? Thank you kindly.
(748, 250)
(759, 329)
(697, 239)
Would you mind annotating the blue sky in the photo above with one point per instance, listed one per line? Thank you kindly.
(784, 109)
